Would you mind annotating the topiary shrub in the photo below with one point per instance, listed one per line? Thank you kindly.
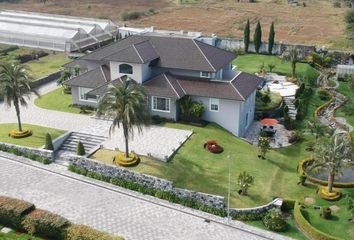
(82, 232)
(46, 224)
(80, 149)
(326, 213)
(48, 142)
(12, 211)
(274, 221)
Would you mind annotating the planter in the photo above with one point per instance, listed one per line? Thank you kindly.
(20, 134)
(324, 194)
(124, 161)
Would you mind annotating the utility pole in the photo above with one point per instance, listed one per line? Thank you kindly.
(229, 190)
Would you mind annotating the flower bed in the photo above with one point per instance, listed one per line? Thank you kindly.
(213, 147)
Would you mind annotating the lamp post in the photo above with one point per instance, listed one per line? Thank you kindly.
(229, 190)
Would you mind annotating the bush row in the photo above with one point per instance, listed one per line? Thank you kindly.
(171, 197)
(8, 49)
(29, 57)
(307, 228)
(23, 216)
(18, 152)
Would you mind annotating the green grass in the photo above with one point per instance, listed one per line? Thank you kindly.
(275, 102)
(36, 140)
(347, 110)
(39, 68)
(59, 101)
(251, 63)
(338, 226)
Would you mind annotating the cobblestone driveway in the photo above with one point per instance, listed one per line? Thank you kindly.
(107, 210)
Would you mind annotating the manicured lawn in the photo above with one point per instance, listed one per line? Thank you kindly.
(16, 236)
(47, 65)
(251, 63)
(275, 102)
(338, 226)
(59, 101)
(36, 140)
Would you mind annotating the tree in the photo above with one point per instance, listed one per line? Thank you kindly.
(333, 155)
(65, 75)
(292, 55)
(271, 39)
(257, 38)
(80, 149)
(48, 142)
(245, 181)
(246, 35)
(15, 87)
(263, 146)
(127, 105)
(317, 129)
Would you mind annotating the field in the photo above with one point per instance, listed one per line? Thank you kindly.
(317, 23)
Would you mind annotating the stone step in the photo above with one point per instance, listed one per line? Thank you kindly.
(76, 141)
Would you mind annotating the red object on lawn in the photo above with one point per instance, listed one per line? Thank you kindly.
(269, 122)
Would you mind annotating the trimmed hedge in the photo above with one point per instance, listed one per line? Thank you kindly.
(31, 156)
(45, 224)
(82, 232)
(12, 211)
(149, 191)
(288, 205)
(307, 228)
(301, 171)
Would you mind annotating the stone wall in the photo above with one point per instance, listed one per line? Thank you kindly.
(47, 79)
(146, 180)
(276, 203)
(41, 152)
(60, 140)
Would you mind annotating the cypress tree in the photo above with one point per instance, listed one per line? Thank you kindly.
(246, 35)
(271, 39)
(257, 38)
(80, 149)
(48, 142)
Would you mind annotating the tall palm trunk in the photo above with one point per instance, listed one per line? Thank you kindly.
(330, 182)
(126, 135)
(17, 107)
(293, 67)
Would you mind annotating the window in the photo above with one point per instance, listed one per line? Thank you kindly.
(214, 105)
(125, 68)
(84, 96)
(161, 104)
(205, 74)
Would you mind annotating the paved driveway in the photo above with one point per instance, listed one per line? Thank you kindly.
(160, 142)
(134, 217)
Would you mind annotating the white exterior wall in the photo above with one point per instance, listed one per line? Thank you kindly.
(227, 116)
(247, 114)
(141, 72)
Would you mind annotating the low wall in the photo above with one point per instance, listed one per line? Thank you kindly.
(60, 140)
(276, 203)
(41, 152)
(47, 79)
(146, 180)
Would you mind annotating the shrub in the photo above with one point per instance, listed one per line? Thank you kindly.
(245, 181)
(48, 142)
(349, 16)
(46, 224)
(287, 205)
(80, 149)
(126, 15)
(326, 213)
(337, 4)
(82, 232)
(300, 90)
(302, 179)
(324, 94)
(274, 221)
(266, 99)
(13, 210)
(295, 136)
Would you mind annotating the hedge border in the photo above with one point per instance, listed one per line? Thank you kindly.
(32, 156)
(301, 171)
(307, 228)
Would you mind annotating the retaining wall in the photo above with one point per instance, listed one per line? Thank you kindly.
(47, 79)
(41, 152)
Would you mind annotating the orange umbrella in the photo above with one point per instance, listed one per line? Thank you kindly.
(269, 122)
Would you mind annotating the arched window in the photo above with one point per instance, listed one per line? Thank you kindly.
(125, 68)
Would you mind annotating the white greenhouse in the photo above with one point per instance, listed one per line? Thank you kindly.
(343, 70)
(54, 32)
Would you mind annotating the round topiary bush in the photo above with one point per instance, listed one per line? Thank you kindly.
(124, 161)
(20, 134)
(274, 221)
(213, 147)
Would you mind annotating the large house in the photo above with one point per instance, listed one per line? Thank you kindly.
(169, 68)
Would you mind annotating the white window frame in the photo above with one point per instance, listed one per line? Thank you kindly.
(125, 73)
(83, 99)
(158, 110)
(214, 101)
(208, 75)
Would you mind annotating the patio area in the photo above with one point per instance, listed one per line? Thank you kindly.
(278, 83)
(280, 138)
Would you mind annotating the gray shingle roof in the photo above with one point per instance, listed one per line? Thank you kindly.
(172, 52)
(246, 83)
(99, 91)
(164, 85)
(91, 79)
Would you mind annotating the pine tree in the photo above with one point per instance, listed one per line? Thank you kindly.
(246, 35)
(257, 38)
(271, 39)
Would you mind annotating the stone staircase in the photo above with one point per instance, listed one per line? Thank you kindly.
(88, 140)
(289, 102)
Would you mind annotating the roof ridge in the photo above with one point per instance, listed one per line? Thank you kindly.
(203, 54)
(164, 74)
(133, 45)
(235, 86)
(104, 75)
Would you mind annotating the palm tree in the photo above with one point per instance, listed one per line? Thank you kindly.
(127, 105)
(65, 75)
(15, 86)
(292, 55)
(334, 155)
